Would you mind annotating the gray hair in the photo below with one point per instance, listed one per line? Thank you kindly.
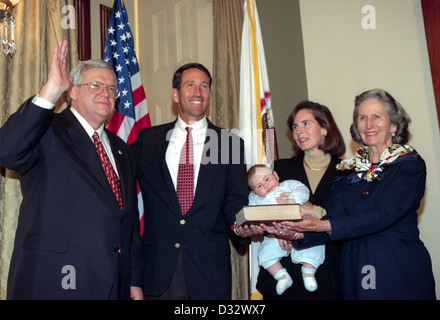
(77, 72)
(395, 111)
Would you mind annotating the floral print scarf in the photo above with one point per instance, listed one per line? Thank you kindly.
(365, 170)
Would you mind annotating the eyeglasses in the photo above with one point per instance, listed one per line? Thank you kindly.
(96, 87)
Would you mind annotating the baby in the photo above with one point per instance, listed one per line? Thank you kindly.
(265, 187)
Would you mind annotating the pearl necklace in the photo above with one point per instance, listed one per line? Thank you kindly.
(314, 169)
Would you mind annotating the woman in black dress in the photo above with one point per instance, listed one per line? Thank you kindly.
(318, 144)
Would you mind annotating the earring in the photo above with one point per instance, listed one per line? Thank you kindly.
(393, 134)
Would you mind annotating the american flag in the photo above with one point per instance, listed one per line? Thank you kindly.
(131, 114)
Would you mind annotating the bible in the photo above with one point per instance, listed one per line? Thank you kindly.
(267, 214)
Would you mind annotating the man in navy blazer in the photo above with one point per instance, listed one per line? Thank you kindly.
(73, 240)
(187, 256)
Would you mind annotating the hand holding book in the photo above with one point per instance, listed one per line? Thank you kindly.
(255, 215)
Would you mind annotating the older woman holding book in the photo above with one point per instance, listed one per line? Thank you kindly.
(373, 208)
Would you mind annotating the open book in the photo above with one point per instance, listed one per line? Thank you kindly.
(267, 214)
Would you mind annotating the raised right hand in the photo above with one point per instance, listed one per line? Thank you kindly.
(58, 80)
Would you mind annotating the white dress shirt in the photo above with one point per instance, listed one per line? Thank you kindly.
(177, 140)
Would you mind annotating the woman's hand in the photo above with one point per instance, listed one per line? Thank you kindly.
(285, 244)
(307, 208)
(282, 231)
(294, 230)
(308, 224)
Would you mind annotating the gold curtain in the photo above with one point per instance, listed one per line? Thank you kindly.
(40, 26)
(228, 25)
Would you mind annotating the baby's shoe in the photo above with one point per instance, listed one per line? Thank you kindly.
(284, 281)
(309, 279)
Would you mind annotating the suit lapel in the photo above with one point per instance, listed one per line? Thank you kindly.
(82, 145)
(209, 167)
(206, 176)
(160, 167)
(207, 172)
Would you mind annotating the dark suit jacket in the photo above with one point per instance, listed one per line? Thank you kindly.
(69, 215)
(377, 221)
(201, 235)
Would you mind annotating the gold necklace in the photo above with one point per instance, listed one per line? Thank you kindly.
(313, 169)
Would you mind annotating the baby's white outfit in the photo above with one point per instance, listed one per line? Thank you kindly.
(269, 251)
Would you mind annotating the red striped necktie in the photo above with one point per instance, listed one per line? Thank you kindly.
(112, 177)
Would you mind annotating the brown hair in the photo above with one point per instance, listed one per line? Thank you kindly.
(177, 78)
(333, 142)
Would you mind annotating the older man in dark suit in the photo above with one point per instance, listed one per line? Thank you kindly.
(78, 229)
(193, 179)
